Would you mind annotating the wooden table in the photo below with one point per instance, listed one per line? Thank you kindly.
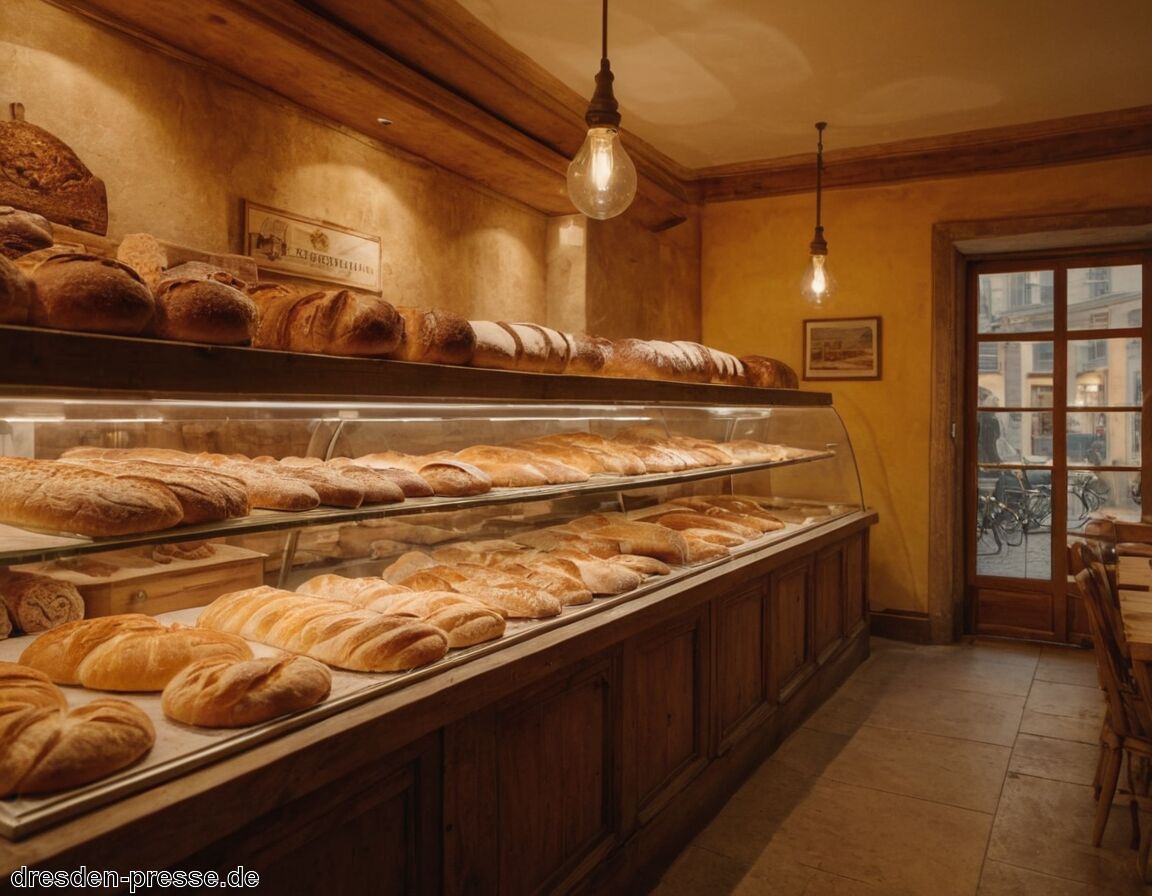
(1134, 575)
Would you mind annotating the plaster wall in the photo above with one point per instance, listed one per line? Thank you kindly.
(880, 250)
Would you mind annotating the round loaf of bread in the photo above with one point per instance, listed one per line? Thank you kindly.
(223, 693)
(768, 373)
(22, 232)
(74, 291)
(37, 603)
(203, 311)
(47, 749)
(23, 684)
(15, 294)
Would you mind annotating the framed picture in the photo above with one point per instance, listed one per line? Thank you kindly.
(303, 247)
(842, 349)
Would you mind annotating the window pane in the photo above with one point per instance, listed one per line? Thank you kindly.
(1104, 438)
(1110, 492)
(1104, 297)
(1013, 524)
(1018, 437)
(1016, 302)
(1103, 372)
(1021, 376)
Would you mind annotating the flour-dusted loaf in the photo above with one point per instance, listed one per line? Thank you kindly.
(496, 346)
(75, 291)
(587, 355)
(22, 232)
(224, 693)
(434, 336)
(36, 603)
(205, 496)
(411, 484)
(332, 322)
(62, 497)
(15, 294)
(769, 373)
(23, 684)
(210, 311)
(326, 630)
(47, 749)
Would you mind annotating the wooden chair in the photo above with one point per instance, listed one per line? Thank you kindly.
(1128, 722)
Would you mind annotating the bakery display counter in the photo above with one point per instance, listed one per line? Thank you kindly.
(649, 702)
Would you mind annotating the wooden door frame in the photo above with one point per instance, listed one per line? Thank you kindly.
(954, 244)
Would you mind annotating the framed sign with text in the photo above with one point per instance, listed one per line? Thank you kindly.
(291, 244)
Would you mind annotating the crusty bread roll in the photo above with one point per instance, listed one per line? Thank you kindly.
(335, 322)
(144, 660)
(205, 496)
(23, 684)
(220, 692)
(326, 630)
(62, 497)
(768, 373)
(434, 336)
(210, 311)
(15, 294)
(47, 749)
(36, 603)
(74, 291)
(496, 346)
(22, 232)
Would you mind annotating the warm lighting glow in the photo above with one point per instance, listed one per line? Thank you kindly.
(818, 283)
(602, 178)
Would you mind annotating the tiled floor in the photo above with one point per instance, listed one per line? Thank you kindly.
(963, 769)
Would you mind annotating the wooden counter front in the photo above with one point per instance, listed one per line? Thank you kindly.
(581, 760)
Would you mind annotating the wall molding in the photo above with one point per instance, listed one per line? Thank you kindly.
(900, 625)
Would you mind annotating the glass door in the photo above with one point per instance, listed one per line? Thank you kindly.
(1054, 386)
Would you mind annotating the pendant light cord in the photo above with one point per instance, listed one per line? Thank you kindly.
(604, 32)
(820, 125)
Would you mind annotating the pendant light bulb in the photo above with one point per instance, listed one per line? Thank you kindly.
(601, 177)
(817, 285)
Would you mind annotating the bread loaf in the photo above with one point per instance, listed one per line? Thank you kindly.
(542, 349)
(146, 255)
(587, 355)
(503, 593)
(205, 496)
(203, 311)
(647, 539)
(23, 684)
(326, 630)
(22, 232)
(511, 467)
(73, 291)
(434, 336)
(36, 603)
(144, 660)
(47, 749)
(339, 322)
(449, 478)
(372, 486)
(768, 373)
(411, 485)
(15, 294)
(58, 652)
(224, 693)
(65, 498)
(266, 489)
(331, 486)
(496, 346)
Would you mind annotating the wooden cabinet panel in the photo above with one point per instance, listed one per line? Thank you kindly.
(742, 670)
(530, 786)
(669, 694)
(375, 831)
(855, 586)
(789, 590)
(828, 598)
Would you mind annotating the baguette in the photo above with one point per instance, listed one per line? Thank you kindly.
(647, 539)
(223, 693)
(47, 749)
(326, 630)
(44, 494)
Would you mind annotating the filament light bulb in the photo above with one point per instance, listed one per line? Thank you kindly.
(602, 178)
(818, 284)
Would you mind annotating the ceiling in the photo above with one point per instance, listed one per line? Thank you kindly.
(720, 82)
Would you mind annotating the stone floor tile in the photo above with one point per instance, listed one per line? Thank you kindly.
(1067, 665)
(947, 770)
(951, 668)
(908, 706)
(1086, 731)
(1046, 826)
(1000, 879)
(1059, 760)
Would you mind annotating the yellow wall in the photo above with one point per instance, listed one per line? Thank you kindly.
(880, 250)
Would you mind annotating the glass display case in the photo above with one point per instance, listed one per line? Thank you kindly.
(284, 406)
